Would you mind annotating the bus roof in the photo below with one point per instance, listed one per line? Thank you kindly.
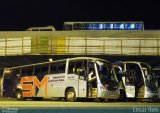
(121, 62)
(76, 58)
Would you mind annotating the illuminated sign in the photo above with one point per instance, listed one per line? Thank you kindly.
(129, 26)
(139, 26)
(118, 26)
(104, 26)
(108, 26)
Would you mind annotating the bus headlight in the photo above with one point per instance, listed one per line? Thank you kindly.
(148, 90)
(103, 88)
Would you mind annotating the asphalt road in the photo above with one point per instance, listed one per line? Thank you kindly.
(49, 106)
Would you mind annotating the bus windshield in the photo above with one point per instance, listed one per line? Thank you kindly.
(149, 76)
(105, 72)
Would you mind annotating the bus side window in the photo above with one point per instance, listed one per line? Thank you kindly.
(78, 66)
(61, 68)
(71, 67)
(53, 68)
(58, 67)
(44, 69)
(26, 71)
(16, 73)
(74, 67)
(80, 69)
(37, 71)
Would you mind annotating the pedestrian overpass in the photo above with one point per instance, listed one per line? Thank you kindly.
(94, 42)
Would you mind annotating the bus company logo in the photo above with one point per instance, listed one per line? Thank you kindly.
(29, 85)
(9, 110)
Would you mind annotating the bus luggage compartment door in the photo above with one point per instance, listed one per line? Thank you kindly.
(130, 91)
(129, 88)
(82, 87)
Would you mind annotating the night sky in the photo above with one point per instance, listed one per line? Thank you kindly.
(22, 14)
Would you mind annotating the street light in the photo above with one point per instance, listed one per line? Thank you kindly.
(50, 59)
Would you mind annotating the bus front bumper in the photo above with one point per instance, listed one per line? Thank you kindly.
(109, 94)
(151, 95)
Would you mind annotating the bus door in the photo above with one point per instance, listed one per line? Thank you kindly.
(139, 82)
(128, 80)
(10, 81)
(136, 74)
(82, 83)
(92, 80)
(6, 83)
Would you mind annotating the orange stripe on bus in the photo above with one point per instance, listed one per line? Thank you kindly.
(27, 79)
(33, 82)
(29, 88)
(40, 84)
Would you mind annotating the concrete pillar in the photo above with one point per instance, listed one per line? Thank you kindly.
(0, 85)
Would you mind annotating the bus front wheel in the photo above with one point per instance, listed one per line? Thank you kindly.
(122, 96)
(70, 95)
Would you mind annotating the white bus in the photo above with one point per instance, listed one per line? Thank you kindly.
(71, 78)
(136, 79)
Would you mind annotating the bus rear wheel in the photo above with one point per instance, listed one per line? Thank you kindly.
(102, 99)
(38, 98)
(70, 95)
(19, 95)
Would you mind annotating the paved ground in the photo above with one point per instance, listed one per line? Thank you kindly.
(49, 106)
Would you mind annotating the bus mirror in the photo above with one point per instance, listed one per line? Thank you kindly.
(145, 71)
(123, 79)
(118, 69)
(18, 75)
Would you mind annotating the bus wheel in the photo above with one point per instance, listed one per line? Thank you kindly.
(122, 96)
(102, 99)
(38, 98)
(19, 95)
(70, 95)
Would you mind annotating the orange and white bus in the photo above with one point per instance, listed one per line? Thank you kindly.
(72, 78)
